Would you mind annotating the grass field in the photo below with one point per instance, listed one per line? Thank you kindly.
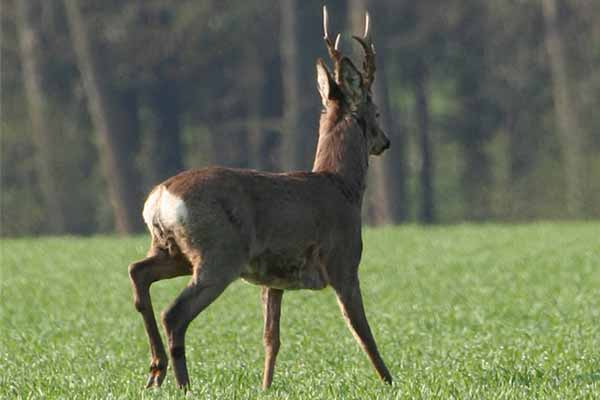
(481, 312)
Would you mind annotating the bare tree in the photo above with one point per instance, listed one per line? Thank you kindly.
(163, 139)
(268, 138)
(378, 207)
(388, 197)
(293, 141)
(252, 94)
(394, 162)
(427, 207)
(229, 125)
(569, 131)
(36, 101)
(476, 123)
(115, 122)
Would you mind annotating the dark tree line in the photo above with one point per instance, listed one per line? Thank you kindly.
(490, 105)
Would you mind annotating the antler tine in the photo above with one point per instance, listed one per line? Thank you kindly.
(332, 47)
(325, 23)
(369, 48)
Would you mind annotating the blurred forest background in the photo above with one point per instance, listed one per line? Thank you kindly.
(491, 106)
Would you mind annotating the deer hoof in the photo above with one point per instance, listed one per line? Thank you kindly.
(157, 375)
(155, 379)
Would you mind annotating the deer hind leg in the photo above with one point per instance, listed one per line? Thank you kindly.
(350, 302)
(209, 280)
(271, 302)
(142, 274)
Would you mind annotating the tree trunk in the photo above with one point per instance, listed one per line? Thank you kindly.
(377, 199)
(519, 157)
(113, 122)
(229, 127)
(476, 180)
(394, 160)
(270, 140)
(476, 123)
(252, 77)
(569, 131)
(34, 93)
(427, 210)
(294, 157)
(388, 199)
(163, 139)
(522, 156)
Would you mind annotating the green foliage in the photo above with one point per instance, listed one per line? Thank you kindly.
(496, 151)
(465, 312)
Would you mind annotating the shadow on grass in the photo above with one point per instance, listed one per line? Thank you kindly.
(591, 377)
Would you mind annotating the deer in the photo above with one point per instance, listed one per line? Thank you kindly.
(281, 231)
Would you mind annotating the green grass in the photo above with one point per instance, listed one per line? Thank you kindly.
(481, 312)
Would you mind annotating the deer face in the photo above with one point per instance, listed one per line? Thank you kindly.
(352, 88)
(351, 95)
(377, 140)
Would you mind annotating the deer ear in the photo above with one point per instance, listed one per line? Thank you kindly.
(326, 84)
(350, 81)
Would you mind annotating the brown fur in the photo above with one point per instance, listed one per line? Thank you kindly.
(298, 230)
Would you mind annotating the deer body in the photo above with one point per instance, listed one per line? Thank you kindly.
(282, 231)
(284, 246)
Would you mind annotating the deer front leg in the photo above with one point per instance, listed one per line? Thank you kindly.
(271, 302)
(351, 305)
(142, 274)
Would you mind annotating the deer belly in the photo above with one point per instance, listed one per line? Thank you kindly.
(287, 270)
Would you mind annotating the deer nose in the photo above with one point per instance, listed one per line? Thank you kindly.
(387, 144)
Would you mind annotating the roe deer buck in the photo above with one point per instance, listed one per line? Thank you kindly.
(283, 231)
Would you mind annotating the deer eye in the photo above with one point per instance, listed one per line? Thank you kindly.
(377, 115)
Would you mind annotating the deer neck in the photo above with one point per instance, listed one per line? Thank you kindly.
(342, 151)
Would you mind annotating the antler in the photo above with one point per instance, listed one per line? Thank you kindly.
(332, 47)
(367, 44)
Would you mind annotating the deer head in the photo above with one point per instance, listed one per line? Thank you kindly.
(349, 89)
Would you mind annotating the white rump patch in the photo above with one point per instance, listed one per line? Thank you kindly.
(151, 206)
(172, 210)
(165, 208)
